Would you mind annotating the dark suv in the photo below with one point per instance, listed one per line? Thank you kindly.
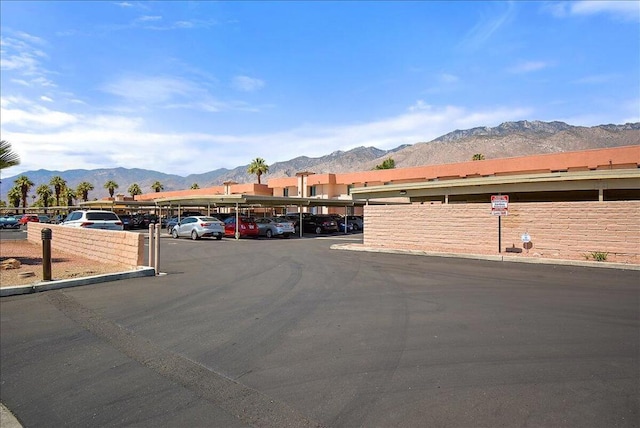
(295, 219)
(319, 223)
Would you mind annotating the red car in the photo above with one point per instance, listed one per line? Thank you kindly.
(27, 218)
(247, 227)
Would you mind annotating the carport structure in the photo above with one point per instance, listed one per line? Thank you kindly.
(597, 185)
(242, 201)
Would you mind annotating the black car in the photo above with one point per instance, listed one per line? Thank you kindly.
(340, 220)
(295, 219)
(319, 223)
(143, 221)
(128, 221)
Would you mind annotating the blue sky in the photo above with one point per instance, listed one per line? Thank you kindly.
(189, 87)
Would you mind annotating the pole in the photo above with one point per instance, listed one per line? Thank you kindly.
(237, 234)
(157, 251)
(151, 246)
(499, 234)
(46, 253)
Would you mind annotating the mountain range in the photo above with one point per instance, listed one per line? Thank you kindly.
(509, 139)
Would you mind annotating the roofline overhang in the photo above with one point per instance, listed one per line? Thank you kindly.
(557, 181)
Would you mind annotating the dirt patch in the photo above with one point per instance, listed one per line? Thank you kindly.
(63, 265)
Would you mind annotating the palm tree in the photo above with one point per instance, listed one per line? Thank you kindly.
(388, 163)
(83, 189)
(258, 167)
(45, 193)
(69, 195)
(58, 184)
(25, 185)
(15, 196)
(8, 158)
(478, 156)
(134, 190)
(157, 186)
(195, 186)
(111, 186)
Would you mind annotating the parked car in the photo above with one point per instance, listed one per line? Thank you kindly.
(357, 221)
(9, 222)
(128, 221)
(57, 219)
(93, 219)
(319, 223)
(27, 218)
(198, 227)
(223, 216)
(295, 219)
(275, 226)
(170, 223)
(44, 218)
(342, 223)
(145, 220)
(247, 227)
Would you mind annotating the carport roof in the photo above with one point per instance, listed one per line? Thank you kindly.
(556, 181)
(263, 200)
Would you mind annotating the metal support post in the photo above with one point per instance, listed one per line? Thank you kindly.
(499, 234)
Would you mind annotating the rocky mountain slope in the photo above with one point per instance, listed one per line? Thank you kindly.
(509, 139)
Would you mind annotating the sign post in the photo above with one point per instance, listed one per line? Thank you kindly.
(499, 207)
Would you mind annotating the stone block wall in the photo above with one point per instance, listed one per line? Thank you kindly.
(562, 230)
(110, 246)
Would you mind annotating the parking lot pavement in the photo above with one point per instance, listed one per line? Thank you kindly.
(290, 333)
(13, 234)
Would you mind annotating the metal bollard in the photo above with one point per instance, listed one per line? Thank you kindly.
(156, 262)
(46, 254)
(151, 244)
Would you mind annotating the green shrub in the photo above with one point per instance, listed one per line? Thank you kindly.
(598, 256)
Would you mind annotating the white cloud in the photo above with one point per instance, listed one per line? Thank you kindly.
(23, 61)
(528, 67)
(621, 9)
(595, 79)
(246, 83)
(148, 18)
(18, 112)
(47, 99)
(124, 4)
(625, 10)
(83, 141)
(171, 93)
(150, 90)
(448, 78)
(419, 105)
(489, 24)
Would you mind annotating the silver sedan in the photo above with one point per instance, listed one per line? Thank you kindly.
(275, 226)
(197, 227)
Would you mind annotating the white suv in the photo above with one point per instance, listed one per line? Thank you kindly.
(93, 219)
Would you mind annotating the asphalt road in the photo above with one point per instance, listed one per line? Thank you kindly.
(290, 333)
(13, 234)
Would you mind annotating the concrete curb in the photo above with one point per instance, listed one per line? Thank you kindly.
(7, 420)
(141, 271)
(495, 258)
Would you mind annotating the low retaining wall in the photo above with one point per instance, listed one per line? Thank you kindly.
(110, 246)
(560, 230)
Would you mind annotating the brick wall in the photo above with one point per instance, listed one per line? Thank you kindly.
(563, 230)
(118, 247)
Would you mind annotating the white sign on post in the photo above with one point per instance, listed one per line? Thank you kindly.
(499, 204)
